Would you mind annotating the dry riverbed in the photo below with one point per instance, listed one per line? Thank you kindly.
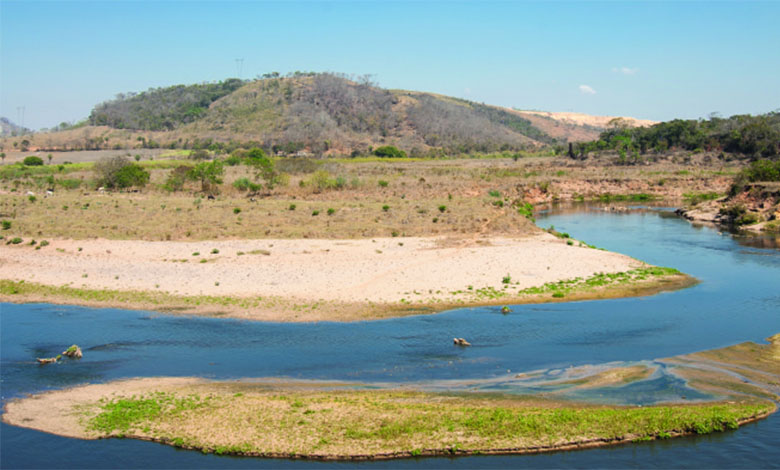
(313, 280)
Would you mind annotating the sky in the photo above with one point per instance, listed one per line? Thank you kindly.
(655, 60)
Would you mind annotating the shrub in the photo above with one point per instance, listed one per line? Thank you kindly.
(292, 207)
(118, 172)
(385, 208)
(32, 161)
(232, 160)
(44, 243)
(215, 251)
(494, 193)
(32, 198)
(315, 212)
(236, 210)
(383, 183)
(506, 279)
(176, 178)
(442, 208)
(70, 183)
(389, 151)
(132, 175)
(244, 184)
(331, 211)
(15, 241)
(6, 224)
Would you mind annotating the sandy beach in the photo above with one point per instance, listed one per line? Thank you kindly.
(371, 270)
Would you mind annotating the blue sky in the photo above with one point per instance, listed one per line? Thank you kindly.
(655, 60)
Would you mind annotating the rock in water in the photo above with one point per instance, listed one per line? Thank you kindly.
(460, 342)
(73, 351)
(505, 310)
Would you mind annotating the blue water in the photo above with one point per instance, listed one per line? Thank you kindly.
(737, 300)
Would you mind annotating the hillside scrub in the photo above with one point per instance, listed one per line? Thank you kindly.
(750, 136)
(161, 108)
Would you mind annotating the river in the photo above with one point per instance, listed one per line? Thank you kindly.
(737, 300)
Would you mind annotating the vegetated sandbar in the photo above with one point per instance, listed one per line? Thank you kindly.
(316, 280)
(314, 420)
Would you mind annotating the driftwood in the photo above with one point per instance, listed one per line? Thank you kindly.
(460, 342)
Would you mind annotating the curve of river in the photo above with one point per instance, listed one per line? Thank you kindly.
(737, 300)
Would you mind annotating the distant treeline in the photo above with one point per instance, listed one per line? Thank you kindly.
(751, 136)
(161, 109)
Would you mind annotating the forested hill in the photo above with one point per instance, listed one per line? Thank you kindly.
(318, 112)
(161, 109)
(751, 136)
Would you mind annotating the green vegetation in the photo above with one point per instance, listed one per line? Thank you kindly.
(222, 418)
(758, 171)
(32, 161)
(576, 285)
(696, 198)
(160, 109)
(389, 151)
(753, 136)
(119, 173)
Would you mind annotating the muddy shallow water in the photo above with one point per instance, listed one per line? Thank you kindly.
(737, 300)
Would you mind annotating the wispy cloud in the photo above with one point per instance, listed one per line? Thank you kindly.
(626, 70)
(587, 90)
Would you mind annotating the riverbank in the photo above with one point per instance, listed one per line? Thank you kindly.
(323, 280)
(262, 420)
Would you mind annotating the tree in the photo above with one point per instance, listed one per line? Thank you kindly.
(49, 156)
(25, 145)
(209, 174)
(2, 155)
(264, 167)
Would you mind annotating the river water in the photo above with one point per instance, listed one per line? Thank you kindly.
(737, 300)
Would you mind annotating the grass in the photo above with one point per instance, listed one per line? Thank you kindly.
(239, 418)
(575, 286)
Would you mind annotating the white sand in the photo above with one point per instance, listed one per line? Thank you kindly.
(379, 270)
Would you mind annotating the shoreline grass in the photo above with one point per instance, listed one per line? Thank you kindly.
(239, 419)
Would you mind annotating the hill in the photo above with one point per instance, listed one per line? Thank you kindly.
(310, 113)
(8, 128)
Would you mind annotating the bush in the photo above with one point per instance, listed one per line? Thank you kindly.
(32, 161)
(176, 178)
(331, 211)
(15, 241)
(389, 151)
(292, 207)
(132, 175)
(236, 210)
(6, 225)
(383, 183)
(442, 208)
(119, 172)
(244, 184)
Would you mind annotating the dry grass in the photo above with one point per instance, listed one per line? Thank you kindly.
(414, 192)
